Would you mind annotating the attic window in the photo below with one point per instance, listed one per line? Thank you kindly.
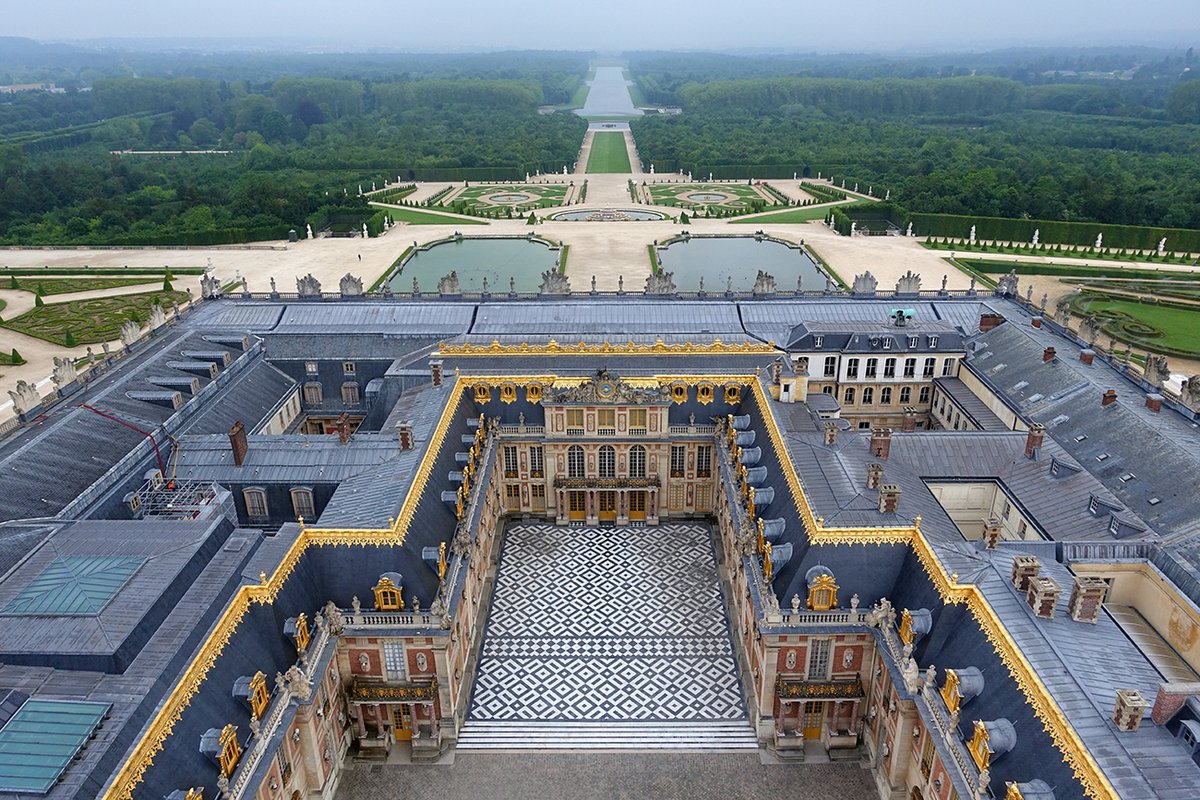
(1127, 477)
(1081, 437)
(1092, 505)
(912, 343)
(1019, 385)
(818, 341)
(1033, 398)
(887, 343)
(1113, 525)
(933, 340)
(1102, 457)
(1054, 467)
(1155, 501)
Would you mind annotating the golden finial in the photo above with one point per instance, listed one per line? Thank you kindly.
(954, 577)
(262, 578)
(442, 561)
(391, 522)
(300, 519)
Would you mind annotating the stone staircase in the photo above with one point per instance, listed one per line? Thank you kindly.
(535, 735)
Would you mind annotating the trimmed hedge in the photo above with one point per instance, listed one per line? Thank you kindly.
(1054, 232)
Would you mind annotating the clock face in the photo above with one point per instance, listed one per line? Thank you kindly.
(606, 389)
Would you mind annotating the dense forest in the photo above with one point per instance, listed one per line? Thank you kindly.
(293, 150)
(1096, 148)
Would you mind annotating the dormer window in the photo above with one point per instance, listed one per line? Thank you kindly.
(1102, 457)
(933, 340)
(951, 693)
(230, 751)
(1080, 437)
(912, 342)
(818, 341)
(1093, 505)
(1114, 525)
(348, 368)
(981, 753)
(259, 696)
(387, 595)
(310, 368)
(1127, 477)
(887, 343)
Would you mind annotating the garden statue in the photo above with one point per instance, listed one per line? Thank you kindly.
(365, 230)
(621, 284)
(1045, 300)
(972, 234)
(651, 169)
(512, 285)
(909, 231)
(308, 231)
(1037, 235)
(1099, 241)
(273, 290)
(853, 228)
(593, 284)
(887, 196)
(945, 278)
(1162, 246)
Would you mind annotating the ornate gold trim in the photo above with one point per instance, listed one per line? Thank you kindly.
(553, 348)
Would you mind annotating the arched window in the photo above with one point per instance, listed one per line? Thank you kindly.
(575, 461)
(637, 461)
(849, 396)
(350, 395)
(230, 751)
(256, 503)
(302, 503)
(608, 461)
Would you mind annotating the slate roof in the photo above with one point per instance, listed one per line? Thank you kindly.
(975, 409)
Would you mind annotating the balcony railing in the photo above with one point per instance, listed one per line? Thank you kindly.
(605, 483)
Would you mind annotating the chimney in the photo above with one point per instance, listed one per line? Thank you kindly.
(991, 532)
(1036, 322)
(1087, 595)
(1087, 356)
(910, 420)
(435, 369)
(989, 321)
(1024, 568)
(1171, 697)
(1048, 354)
(238, 443)
(1109, 397)
(1127, 715)
(874, 475)
(343, 427)
(831, 433)
(1042, 595)
(1154, 402)
(404, 430)
(881, 442)
(1033, 441)
(889, 498)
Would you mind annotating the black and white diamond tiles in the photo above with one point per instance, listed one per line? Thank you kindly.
(607, 624)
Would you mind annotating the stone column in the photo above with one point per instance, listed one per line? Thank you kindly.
(362, 721)
(379, 729)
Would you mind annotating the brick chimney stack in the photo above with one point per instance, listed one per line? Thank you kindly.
(989, 321)
(435, 369)
(404, 431)
(1087, 596)
(1024, 568)
(991, 532)
(831, 432)
(1042, 595)
(881, 442)
(1036, 322)
(1087, 356)
(1048, 354)
(238, 443)
(1033, 441)
(1171, 697)
(874, 475)
(1109, 397)
(1127, 714)
(910, 420)
(1154, 402)
(343, 428)
(889, 498)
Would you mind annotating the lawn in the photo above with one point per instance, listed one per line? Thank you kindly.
(794, 215)
(1155, 327)
(65, 285)
(997, 267)
(1055, 251)
(609, 153)
(90, 321)
(414, 217)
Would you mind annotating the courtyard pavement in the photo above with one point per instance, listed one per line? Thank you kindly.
(606, 776)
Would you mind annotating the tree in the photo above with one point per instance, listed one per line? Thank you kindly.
(1184, 103)
(70, 338)
(15, 357)
(167, 285)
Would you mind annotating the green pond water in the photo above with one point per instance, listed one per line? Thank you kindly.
(475, 259)
(717, 259)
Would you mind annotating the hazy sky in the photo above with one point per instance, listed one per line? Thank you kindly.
(801, 25)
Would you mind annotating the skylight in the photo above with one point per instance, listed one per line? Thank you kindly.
(40, 740)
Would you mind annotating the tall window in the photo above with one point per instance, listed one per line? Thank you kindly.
(637, 461)
(537, 497)
(889, 368)
(927, 756)
(606, 421)
(818, 659)
(678, 460)
(575, 422)
(675, 497)
(924, 396)
(608, 461)
(704, 461)
(637, 422)
(302, 503)
(885, 396)
(393, 660)
(868, 396)
(852, 368)
(948, 367)
(350, 394)
(256, 503)
(910, 368)
(928, 370)
(872, 367)
(933, 340)
(830, 366)
(818, 341)
(537, 464)
(905, 394)
(575, 461)
(312, 394)
(510, 461)
(703, 497)
(849, 396)
(512, 497)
